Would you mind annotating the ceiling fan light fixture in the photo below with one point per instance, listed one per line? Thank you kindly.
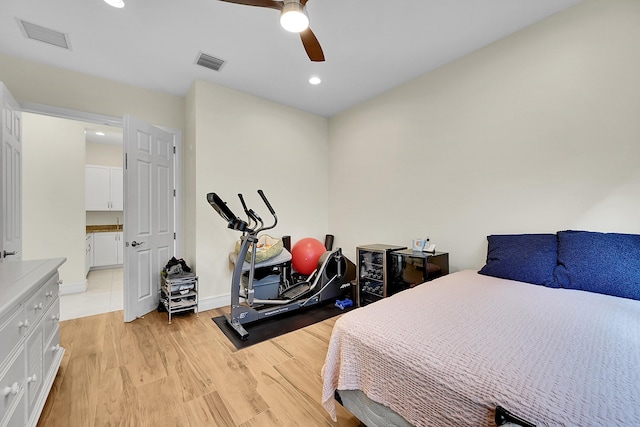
(115, 3)
(293, 17)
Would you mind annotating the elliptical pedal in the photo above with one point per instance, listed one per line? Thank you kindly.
(296, 290)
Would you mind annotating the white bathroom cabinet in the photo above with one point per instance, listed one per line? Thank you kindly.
(104, 188)
(108, 249)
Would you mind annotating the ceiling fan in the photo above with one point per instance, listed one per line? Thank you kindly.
(293, 18)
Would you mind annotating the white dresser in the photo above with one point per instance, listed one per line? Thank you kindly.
(30, 352)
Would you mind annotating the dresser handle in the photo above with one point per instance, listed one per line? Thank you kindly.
(55, 348)
(37, 306)
(24, 324)
(13, 390)
(55, 316)
(32, 379)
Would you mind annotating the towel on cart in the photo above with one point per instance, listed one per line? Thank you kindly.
(281, 258)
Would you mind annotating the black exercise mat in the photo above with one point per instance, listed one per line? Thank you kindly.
(264, 330)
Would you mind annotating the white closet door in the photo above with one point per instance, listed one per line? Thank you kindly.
(11, 177)
(149, 214)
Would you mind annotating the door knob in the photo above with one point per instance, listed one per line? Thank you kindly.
(134, 243)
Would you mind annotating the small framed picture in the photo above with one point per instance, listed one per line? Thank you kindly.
(420, 244)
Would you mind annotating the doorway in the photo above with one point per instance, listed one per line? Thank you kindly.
(56, 222)
(104, 224)
(65, 197)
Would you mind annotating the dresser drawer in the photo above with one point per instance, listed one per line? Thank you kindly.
(35, 307)
(51, 349)
(51, 319)
(37, 304)
(17, 416)
(12, 329)
(12, 383)
(51, 289)
(35, 376)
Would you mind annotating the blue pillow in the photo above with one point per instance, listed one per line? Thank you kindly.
(530, 258)
(606, 263)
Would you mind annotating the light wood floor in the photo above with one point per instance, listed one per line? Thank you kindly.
(149, 373)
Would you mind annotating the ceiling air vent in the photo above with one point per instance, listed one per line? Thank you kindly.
(46, 35)
(210, 62)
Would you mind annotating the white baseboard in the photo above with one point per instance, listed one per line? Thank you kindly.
(210, 303)
(204, 304)
(106, 267)
(73, 288)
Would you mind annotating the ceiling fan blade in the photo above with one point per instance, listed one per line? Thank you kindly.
(260, 3)
(311, 45)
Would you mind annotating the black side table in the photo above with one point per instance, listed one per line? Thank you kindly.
(410, 268)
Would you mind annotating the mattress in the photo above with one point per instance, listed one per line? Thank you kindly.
(449, 351)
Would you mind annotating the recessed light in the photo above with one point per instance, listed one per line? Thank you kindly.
(100, 133)
(115, 3)
(315, 80)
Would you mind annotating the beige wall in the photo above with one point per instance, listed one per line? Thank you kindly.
(42, 84)
(53, 152)
(189, 174)
(104, 154)
(245, 143)
(536, 133)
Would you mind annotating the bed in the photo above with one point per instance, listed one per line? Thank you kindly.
(549, 329)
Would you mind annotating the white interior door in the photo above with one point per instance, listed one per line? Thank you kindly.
(148, 213)
(11, 177)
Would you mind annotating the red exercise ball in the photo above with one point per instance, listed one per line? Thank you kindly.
(305, 255)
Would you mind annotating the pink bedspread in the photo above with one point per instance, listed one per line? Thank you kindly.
(447, 352)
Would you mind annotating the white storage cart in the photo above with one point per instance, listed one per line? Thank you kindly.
(179, 293)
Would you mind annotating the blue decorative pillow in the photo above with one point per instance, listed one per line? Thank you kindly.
(530, 258)
(606, 263)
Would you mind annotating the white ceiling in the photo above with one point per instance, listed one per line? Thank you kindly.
(370, 46)
(102, 134)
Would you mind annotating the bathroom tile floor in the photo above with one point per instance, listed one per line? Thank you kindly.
(103, 294)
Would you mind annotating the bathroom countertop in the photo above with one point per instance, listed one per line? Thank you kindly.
(104, 228)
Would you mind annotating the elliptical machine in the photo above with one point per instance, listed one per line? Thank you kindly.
(330, 280)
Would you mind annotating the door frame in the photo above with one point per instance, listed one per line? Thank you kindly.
(65, 113)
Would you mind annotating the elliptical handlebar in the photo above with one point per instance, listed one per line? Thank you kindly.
(236, 223)
(266, 202)
(271, 210)
(251, 215)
